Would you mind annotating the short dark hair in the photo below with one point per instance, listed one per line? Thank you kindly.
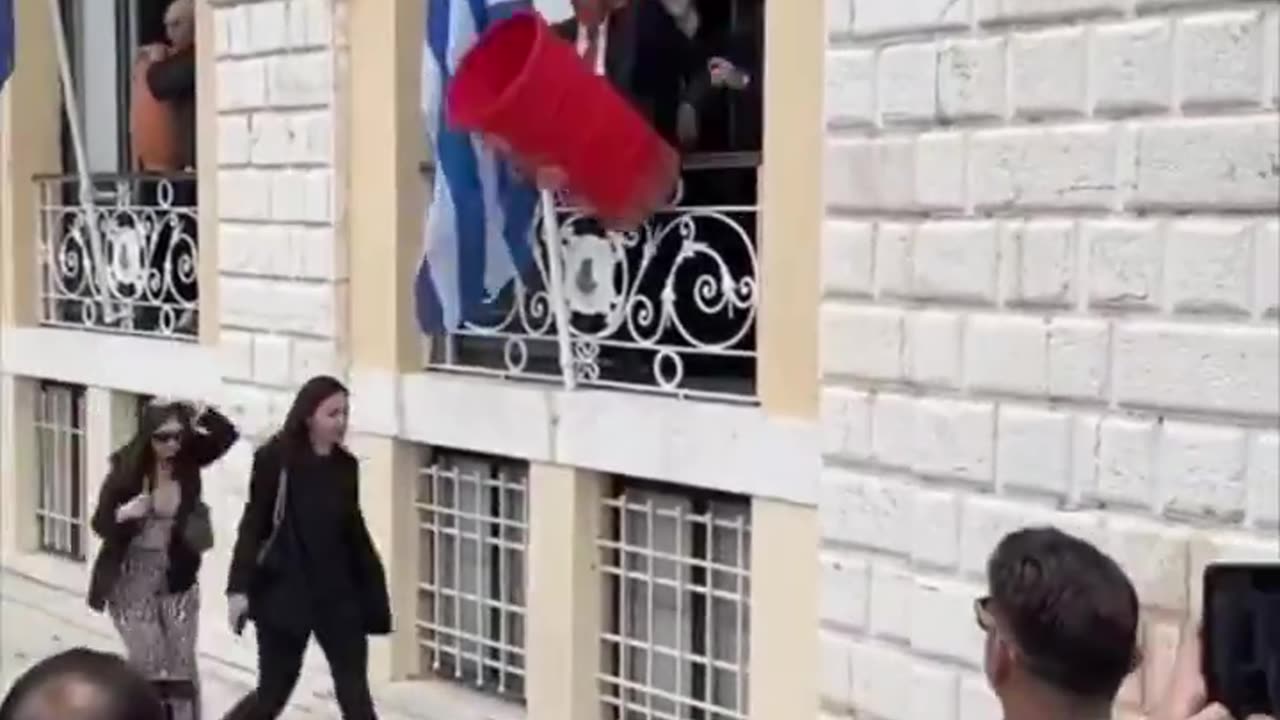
(126, 694)
(1071, 610)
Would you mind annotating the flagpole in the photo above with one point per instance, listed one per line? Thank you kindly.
(555, 272)
(77, 143)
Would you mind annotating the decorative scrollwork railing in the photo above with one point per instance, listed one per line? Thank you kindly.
(142, 279)
(669, 307)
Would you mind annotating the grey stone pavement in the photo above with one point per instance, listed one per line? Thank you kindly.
(37, 620)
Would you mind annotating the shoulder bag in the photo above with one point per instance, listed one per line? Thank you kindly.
(277, 520)
(197, 529)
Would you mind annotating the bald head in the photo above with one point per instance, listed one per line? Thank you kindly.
(180, 24)
(81, 684)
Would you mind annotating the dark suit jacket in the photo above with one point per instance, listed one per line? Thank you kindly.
(729, 120)
(275, 597)
(198, 451)
(646, 58)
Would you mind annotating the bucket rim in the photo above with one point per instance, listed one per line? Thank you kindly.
(476, 118)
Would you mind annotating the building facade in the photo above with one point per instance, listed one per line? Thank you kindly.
(641, 546)
(1003, 262)
(1049, 296)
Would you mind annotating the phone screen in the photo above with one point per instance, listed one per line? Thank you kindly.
(1242, 637)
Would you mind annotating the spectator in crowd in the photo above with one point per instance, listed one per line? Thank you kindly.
(171, 79)
(640, 47)
(155, 529)
(82, 684)
(304, 562)
(722, 105)
(1062, 626)
(1186, 696)
(1061, 622)
(162, 133)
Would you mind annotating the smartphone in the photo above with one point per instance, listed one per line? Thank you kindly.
(1241, 637)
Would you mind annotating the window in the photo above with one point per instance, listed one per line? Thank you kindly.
(473, 515)
(677, 589)
(670, 307)
(60, 442)
(140, 410)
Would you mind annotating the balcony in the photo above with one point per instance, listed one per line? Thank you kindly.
(143, 278)
(669, 308)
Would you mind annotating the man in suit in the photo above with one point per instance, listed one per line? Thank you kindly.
(640, 48)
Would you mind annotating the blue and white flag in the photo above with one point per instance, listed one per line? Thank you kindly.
(7, 37)
(479, 227)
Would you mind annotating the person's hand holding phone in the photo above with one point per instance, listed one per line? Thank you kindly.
(1186, 697)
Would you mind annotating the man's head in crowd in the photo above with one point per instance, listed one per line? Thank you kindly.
(180, 24)
(82, 684)
(1062, 625)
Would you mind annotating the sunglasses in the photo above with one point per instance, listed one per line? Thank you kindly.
(166, 436)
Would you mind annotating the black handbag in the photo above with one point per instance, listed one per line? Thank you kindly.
(263, 560)
(197, 529)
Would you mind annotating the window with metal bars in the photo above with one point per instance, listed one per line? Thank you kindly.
(473, 525)
(677, 585)
(60, 445)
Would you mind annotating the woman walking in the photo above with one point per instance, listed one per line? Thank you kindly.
(155, 527)
(304, 562)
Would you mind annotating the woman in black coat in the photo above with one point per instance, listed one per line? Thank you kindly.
(304, 562)
(154, 528)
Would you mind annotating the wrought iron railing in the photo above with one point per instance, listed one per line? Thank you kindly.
(669, 308)
(142, 276)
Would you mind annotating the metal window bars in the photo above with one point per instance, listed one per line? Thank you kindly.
(473, 529)
(60, 444)
(677, 583)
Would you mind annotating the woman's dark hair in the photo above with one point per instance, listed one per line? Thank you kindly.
(126, 695)
(135, 458)
(1071, 610)
(294, 436)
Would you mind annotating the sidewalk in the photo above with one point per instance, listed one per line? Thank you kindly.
(37, 620)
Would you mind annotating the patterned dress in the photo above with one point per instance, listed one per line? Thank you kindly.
(159, 629)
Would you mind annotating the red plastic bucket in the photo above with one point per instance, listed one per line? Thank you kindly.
(523, 84)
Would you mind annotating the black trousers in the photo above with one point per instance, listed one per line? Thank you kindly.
(280, 654)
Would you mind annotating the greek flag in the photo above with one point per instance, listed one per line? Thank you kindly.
(480, 222)
(7, 36)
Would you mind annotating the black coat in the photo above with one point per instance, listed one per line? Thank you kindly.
(198, 451)
(278, 598)
(646, 59)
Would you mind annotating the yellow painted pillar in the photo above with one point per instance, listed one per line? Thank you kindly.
(562, 637)
(207, 173)
(385, 188)
(111, 419)
(383, 143)
(784, 611)
(791, 209)
(388, 490)
(32, 105)
(19, 475)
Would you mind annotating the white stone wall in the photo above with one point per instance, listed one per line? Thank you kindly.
(281, 256)
(1050, 296)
